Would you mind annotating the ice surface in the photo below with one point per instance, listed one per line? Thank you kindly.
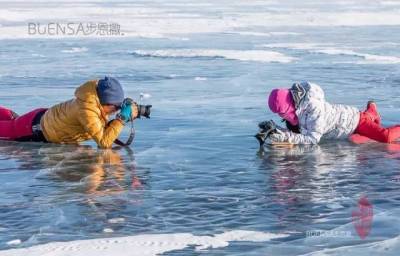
(387, 247)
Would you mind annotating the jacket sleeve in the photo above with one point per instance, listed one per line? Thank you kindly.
(104, 136)
(312, 133)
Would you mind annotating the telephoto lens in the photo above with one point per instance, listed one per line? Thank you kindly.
(144, 110)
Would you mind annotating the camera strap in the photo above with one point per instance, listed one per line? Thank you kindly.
(130, 139)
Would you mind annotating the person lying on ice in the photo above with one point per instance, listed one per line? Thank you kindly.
(309, 118)
(82, 118)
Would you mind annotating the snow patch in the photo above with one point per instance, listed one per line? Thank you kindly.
(266, 34)
(75, 50)
(243, 55)
(116, 220)
(145, 95)
(174, 19)
(199, 78)
(370, 58)
(390, 3)
(295, 46)
(322, 48)
(14, 242)
(152, 244)
(38, 55)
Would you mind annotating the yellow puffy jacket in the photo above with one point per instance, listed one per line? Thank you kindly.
(80, 119)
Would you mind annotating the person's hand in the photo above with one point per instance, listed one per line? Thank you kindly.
(126, 112)
(135, 111)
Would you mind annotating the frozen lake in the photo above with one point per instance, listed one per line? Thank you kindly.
(193, 182)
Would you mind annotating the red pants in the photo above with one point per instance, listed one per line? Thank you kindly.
(370, 126)
(14, 128)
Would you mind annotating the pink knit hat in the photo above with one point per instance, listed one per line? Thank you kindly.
(280, 101)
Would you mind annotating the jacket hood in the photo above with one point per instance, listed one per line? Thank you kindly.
(87, 92)
(280, 101)
(305, 91)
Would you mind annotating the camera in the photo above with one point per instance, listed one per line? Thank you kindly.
(266, 129)
(144, 110)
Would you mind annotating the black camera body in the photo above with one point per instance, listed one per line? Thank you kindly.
(266, 129)
(143, 110)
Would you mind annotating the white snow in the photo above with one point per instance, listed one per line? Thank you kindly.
(322, 48)
(75, 50)
(265, 34)
(116, 220)
(141, 245)
(243, 55)
(370, 58)
(167, 20)
(199, 78)
(296, 46)
(145, 95)
(14, 242)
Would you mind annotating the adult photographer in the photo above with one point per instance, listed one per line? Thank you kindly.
(83, 118)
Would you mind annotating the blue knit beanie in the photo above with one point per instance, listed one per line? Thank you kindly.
(110, 91)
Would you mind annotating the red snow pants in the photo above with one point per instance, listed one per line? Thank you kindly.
(370, 126)
(18, 128)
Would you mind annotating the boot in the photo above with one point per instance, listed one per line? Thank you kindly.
(7, 114)
(372, 110)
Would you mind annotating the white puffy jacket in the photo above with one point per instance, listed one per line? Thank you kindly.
(319, 119)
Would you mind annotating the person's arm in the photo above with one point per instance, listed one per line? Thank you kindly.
(309, 135)
(103, 136)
